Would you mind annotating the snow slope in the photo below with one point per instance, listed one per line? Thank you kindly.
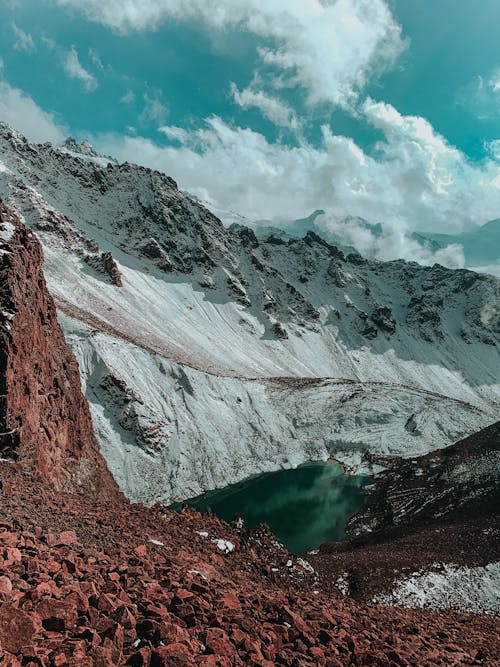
(222, 355)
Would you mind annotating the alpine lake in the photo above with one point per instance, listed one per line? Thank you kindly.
(304, 506)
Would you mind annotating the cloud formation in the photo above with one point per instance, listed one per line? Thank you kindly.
(75, 70)
(23, 40)
(271, 108)
(414, 178)
(329, 49)
(154, 110)
(481, 96)
(393, 242)
(20, 112)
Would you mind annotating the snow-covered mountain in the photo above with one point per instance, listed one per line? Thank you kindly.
(208, 354)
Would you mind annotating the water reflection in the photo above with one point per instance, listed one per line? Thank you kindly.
(303, 507)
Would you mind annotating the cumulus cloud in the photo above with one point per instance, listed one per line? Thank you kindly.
(414, 178)
(75, 70)
(23, 40)
(329, 49)
(20, 111)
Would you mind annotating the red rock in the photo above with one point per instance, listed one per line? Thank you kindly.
(318, 655)
(218, 642)
(12, 555)
(78, 599)
(5, 587)
(10, 538)
(173, 655)
(231, 601)
(41, 383)
(16, 630)
(57, 615)
(141, 658)
(53, 567)
(68, 537)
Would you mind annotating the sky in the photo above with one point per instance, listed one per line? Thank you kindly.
(384, 109)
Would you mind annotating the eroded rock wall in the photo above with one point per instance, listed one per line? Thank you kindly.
(45, 422)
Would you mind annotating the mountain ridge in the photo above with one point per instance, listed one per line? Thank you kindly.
(206, 318)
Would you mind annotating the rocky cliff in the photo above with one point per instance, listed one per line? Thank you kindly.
(44, 418)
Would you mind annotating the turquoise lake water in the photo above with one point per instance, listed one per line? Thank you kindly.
(303, 507)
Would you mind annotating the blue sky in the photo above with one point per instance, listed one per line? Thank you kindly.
(387, 109)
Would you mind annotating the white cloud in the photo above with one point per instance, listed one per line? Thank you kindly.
(415, 178)
(24, 41)
(175, 133)
(394, 242)
(481, 96)
(493, 148)
(154, 110)
(270, 107)
(49, 42)
(19, 111)
(128, 98)
(328, 48)
(75, 70)
(94, 57)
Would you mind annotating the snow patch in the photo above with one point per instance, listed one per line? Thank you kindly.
(7, 230)
(468, 589)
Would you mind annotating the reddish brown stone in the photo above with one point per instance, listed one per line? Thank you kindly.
(56, 615)
(16, 630)
(5, 587)
(68, 537)
(218, 642)
(44, 417)
(173, 655)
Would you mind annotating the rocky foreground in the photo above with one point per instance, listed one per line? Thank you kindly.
(90, 583)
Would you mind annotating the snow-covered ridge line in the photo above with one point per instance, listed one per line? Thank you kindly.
(184, 331)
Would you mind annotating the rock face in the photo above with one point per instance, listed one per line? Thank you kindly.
(44, 418)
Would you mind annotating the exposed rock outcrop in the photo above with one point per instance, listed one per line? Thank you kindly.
(44, 418)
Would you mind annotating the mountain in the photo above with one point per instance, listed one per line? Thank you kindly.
(208, 355)
(481, 246)
(290, 229)
(88, 578)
